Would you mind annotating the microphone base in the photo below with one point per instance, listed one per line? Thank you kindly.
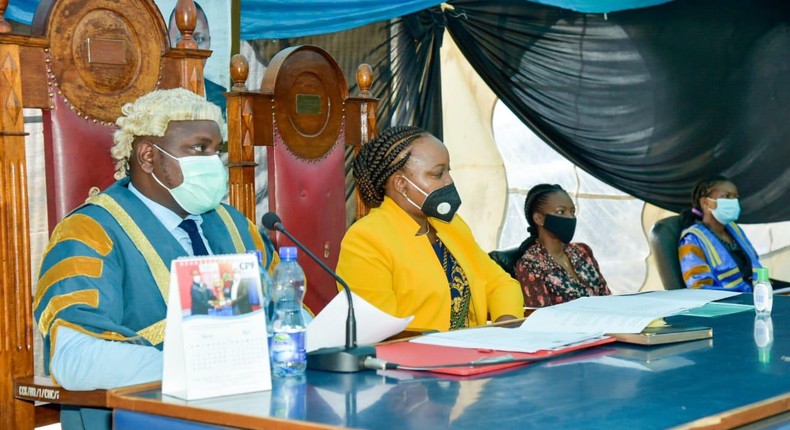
(340, 359)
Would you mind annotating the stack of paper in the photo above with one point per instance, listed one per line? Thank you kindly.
(618, 314)
(582, 320)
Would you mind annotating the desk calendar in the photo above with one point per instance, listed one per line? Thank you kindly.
(215, 338)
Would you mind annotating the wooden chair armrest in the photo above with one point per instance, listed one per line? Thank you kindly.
(47, 414)
(42, 389)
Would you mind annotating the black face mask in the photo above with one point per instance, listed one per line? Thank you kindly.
(562, 227)
(442, 203)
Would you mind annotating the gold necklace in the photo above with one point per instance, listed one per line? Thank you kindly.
(565, 263)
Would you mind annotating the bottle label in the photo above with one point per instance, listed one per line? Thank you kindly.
(759, 300)
(762, 297)
(288, 347)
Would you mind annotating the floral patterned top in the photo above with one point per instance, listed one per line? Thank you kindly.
(546, 283)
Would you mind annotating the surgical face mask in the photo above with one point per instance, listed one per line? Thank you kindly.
(442, 203)
(563, 228)
(205, 182)
(196, 279)
(727, 210)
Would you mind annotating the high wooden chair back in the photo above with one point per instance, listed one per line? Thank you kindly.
(305, 118)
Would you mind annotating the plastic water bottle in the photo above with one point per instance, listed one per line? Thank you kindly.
(288, 343)
(763, 292)
(266, 300)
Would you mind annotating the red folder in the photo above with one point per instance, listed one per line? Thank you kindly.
(419, 355)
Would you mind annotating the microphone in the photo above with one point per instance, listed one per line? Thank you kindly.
(350, 358)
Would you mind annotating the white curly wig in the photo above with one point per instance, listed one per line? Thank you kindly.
(149, 116)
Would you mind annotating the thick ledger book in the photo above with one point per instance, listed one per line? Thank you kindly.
(664, 334)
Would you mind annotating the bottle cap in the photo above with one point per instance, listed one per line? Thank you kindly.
(762, 274)
(288, 252)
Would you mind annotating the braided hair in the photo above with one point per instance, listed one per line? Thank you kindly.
(379, 159)
(536, 198)
(703, 189)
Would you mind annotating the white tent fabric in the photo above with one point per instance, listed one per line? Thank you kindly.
(608, 220)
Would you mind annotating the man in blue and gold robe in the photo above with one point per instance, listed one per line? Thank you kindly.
(102, 293)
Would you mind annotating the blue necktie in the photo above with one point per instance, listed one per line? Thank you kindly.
(198, 247)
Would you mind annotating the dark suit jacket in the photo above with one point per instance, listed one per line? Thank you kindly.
(242, 303)
(200, 299)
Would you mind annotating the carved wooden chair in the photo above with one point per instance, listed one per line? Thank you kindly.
(304, 117)
(83, 60)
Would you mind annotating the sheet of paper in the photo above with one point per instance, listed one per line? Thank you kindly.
(373, 325)
(781, 290)
(712, 310)
(691, 296)
(617, 314)
(581, 320)
(504, 339)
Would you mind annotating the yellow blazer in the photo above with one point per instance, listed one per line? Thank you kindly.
(386, 264)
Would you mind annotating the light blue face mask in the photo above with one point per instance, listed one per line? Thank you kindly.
(205, 182)
(727, 210)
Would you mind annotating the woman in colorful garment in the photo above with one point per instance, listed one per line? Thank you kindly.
(713, 250)
(551, 269)
(412, 255)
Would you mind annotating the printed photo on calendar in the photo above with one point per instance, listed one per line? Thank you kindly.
(219, 286)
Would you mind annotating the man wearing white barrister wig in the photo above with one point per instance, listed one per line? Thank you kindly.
(100, 301)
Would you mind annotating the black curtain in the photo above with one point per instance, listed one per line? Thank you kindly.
(414, 80)
(648, 100)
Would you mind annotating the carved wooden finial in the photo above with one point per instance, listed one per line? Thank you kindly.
(239, 69)
(186, 19)
(364, 78)
(5, 27)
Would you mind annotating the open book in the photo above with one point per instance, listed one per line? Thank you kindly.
(628, 318)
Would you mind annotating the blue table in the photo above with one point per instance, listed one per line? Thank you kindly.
(719, 383)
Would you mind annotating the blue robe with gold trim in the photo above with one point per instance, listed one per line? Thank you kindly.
(105, 271)
(706, 263)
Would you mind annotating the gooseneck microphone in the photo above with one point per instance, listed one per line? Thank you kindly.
(350, 358)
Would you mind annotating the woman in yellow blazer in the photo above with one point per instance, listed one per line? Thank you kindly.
(411, 255)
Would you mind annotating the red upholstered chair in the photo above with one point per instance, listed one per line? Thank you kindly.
(68, 187)
(304, 117)
(83, 60)
(120, 60)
